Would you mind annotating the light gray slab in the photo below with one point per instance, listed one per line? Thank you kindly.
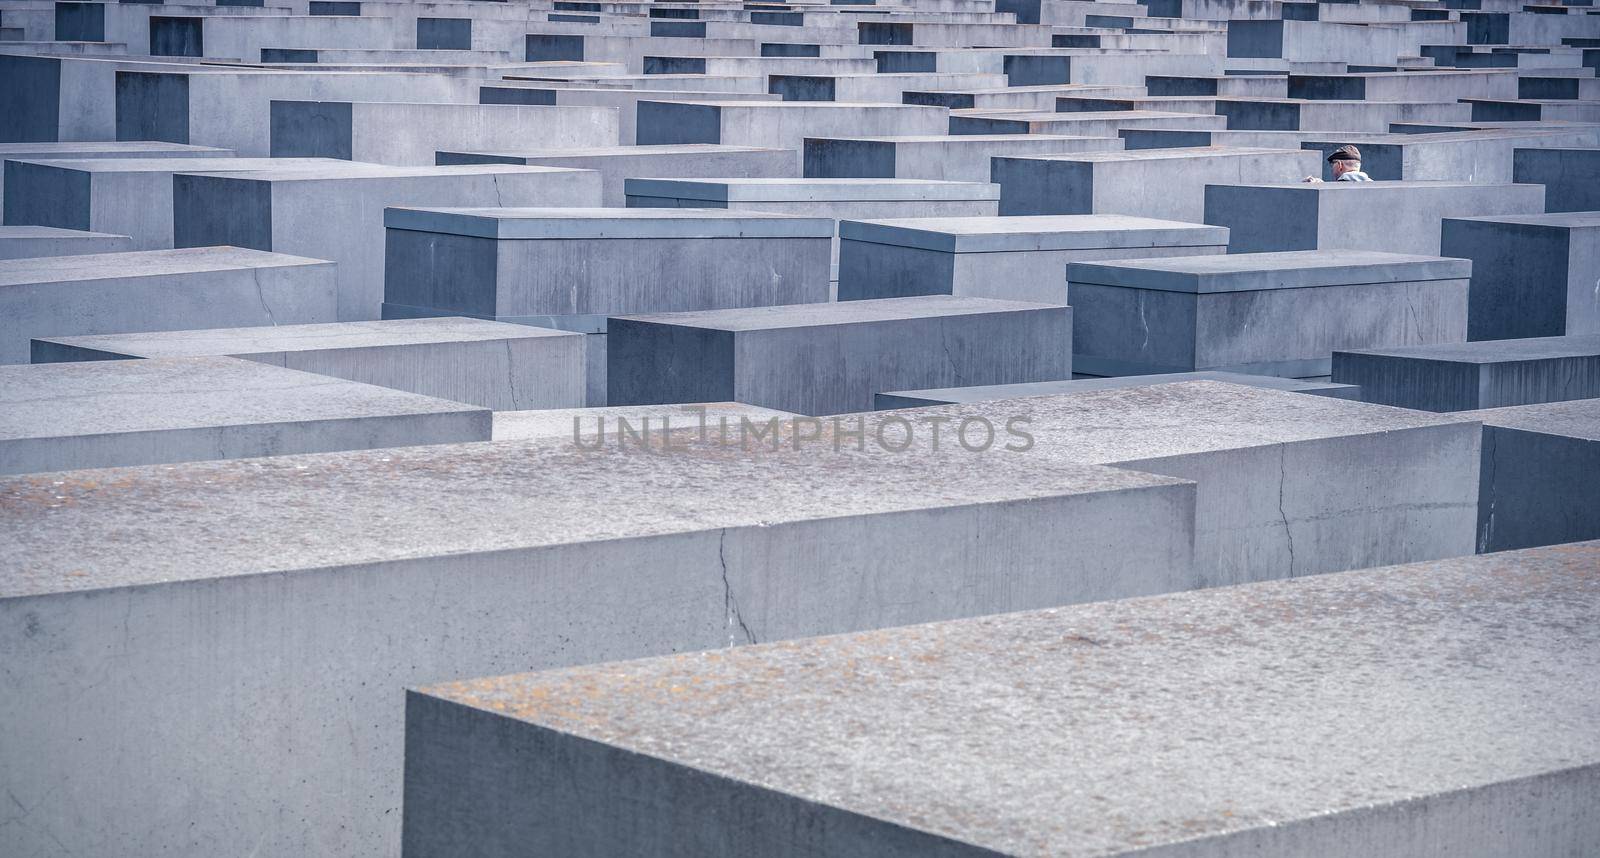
(811, 190)
(582, 223)
(1249, 272)
(25, 242)
(596, 425)
(1374, 712)
(993, 392)
(1030, 232)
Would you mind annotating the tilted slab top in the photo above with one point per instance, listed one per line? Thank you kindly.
(335, 169)
(142, 263)
(1570, 220)
(1031, 232)
(596, 223)
(1496, 351)
(1384, 711)
(298, 338)
(992, 392)
(1186, 153)
(811, 190)
(1575, 418)
(838, 313)
(1250, 272)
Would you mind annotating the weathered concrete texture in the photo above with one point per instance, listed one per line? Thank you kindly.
(1571, 176)
(489, 364)
(81, 150)
(225, 643)
(100, 415)
(26, 242)
(1539, 484)
(1532, 275)
(1484, 374)
(1068, 732)
(1398, 217)
(1288, 484)
(1268, 313)
(1160, 183)
(410, 134)
(994, 392)
(336, 212)
(157, 290)
(961, 157)
(1020, 258)
(616, 164)
(122, 196)
(628, 424)
(832, 358)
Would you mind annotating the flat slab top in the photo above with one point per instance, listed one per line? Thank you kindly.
(63, 400)
(1032, 232)
(262, 339)
(801, 105)
(130, 147)
(1034, 139)
(1558, 220)
(142, 263)
(572, 223)
(129, 526)
(648, 150)
(838, 313)
(992, 392)
(808, 190)
(1151, 421)
(1577, 418)
(362, 171)
(1408, 186)
(181, 165)
(560, 424)
(1078, 731)
(1496, 351)
(1248, 272)
(1195, 152)
(35, 232)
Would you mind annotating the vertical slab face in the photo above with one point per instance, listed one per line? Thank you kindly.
(312, 129)
(1538, 482)
(152, 106)
(470, 560)
(1532, 276)
(1486, 374)
(1570, 176)
(842, 745)
(30, 104)
(451, 34)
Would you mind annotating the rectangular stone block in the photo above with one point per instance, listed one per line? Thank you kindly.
(141, 412)
(1159, 183)
(336, 212)
(1539, 465)
(1532, 275)
(468, 560)
(1020, 258)
(831, 358)
(488, 364)
(80, 150)
(780, 124)
(410, 134)
(23, 242)
(157, 290)
(1484, 374)
(988, 736)
(1571, 177)
(995, 392)
(616, 164)
(1396, 217)
(1263, 313)
(122, 196)
(1102, 124)
(961, 157)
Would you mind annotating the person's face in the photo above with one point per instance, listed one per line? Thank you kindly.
(1342, 167)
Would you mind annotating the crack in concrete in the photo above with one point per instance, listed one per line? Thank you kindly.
(730, 606)
(261, 295)
(1288, 532)
(511, 376)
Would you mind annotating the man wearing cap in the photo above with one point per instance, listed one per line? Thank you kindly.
(1346, 161)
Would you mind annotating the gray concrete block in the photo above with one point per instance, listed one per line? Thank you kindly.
(410, 134)
(1483, 374)
(141, 412)
(1538, 483)
(618, 163)
(780, 124)
(1571, 176)
(1263, 313)
(24, 242)
(1397, 217)
(239, 633)
(1020, 258)
(488, 364)
(831, 358)
(994, 392)
(157, 290)
(960, 157)
(336, 212)
(621, 424)
(1532, 275)
(1061, 732)
(1159, 183)
(82, 150)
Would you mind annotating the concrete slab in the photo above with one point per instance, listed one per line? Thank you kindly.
(80, 150)
(780, 124)
(1484, 374)
(995, 392)
(467, 560)
(620, 424)
(1033, 733)
(1570, 176)
(1532, 275)
(618, 163)
(1020, 258)
(141, 412)
(24, 242)
(960, 157)
(157, 290)
(410, 134)
(1397, 217)
(488, 364)
(1539, 465)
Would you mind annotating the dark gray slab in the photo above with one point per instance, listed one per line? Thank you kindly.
(1571, 176)
(618, 163)
(1532, 275)
(1539, 484)
(1483, 374)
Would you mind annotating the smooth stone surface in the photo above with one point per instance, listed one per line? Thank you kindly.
(1063, 732)
(1571, 176)
(1532, 275)
(617, 164)
(995, 392)
(1483, 374)
(1539, 466)
(80, 149)
(488, 364)
(27, 242)
(960, 157)
(138, 412)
